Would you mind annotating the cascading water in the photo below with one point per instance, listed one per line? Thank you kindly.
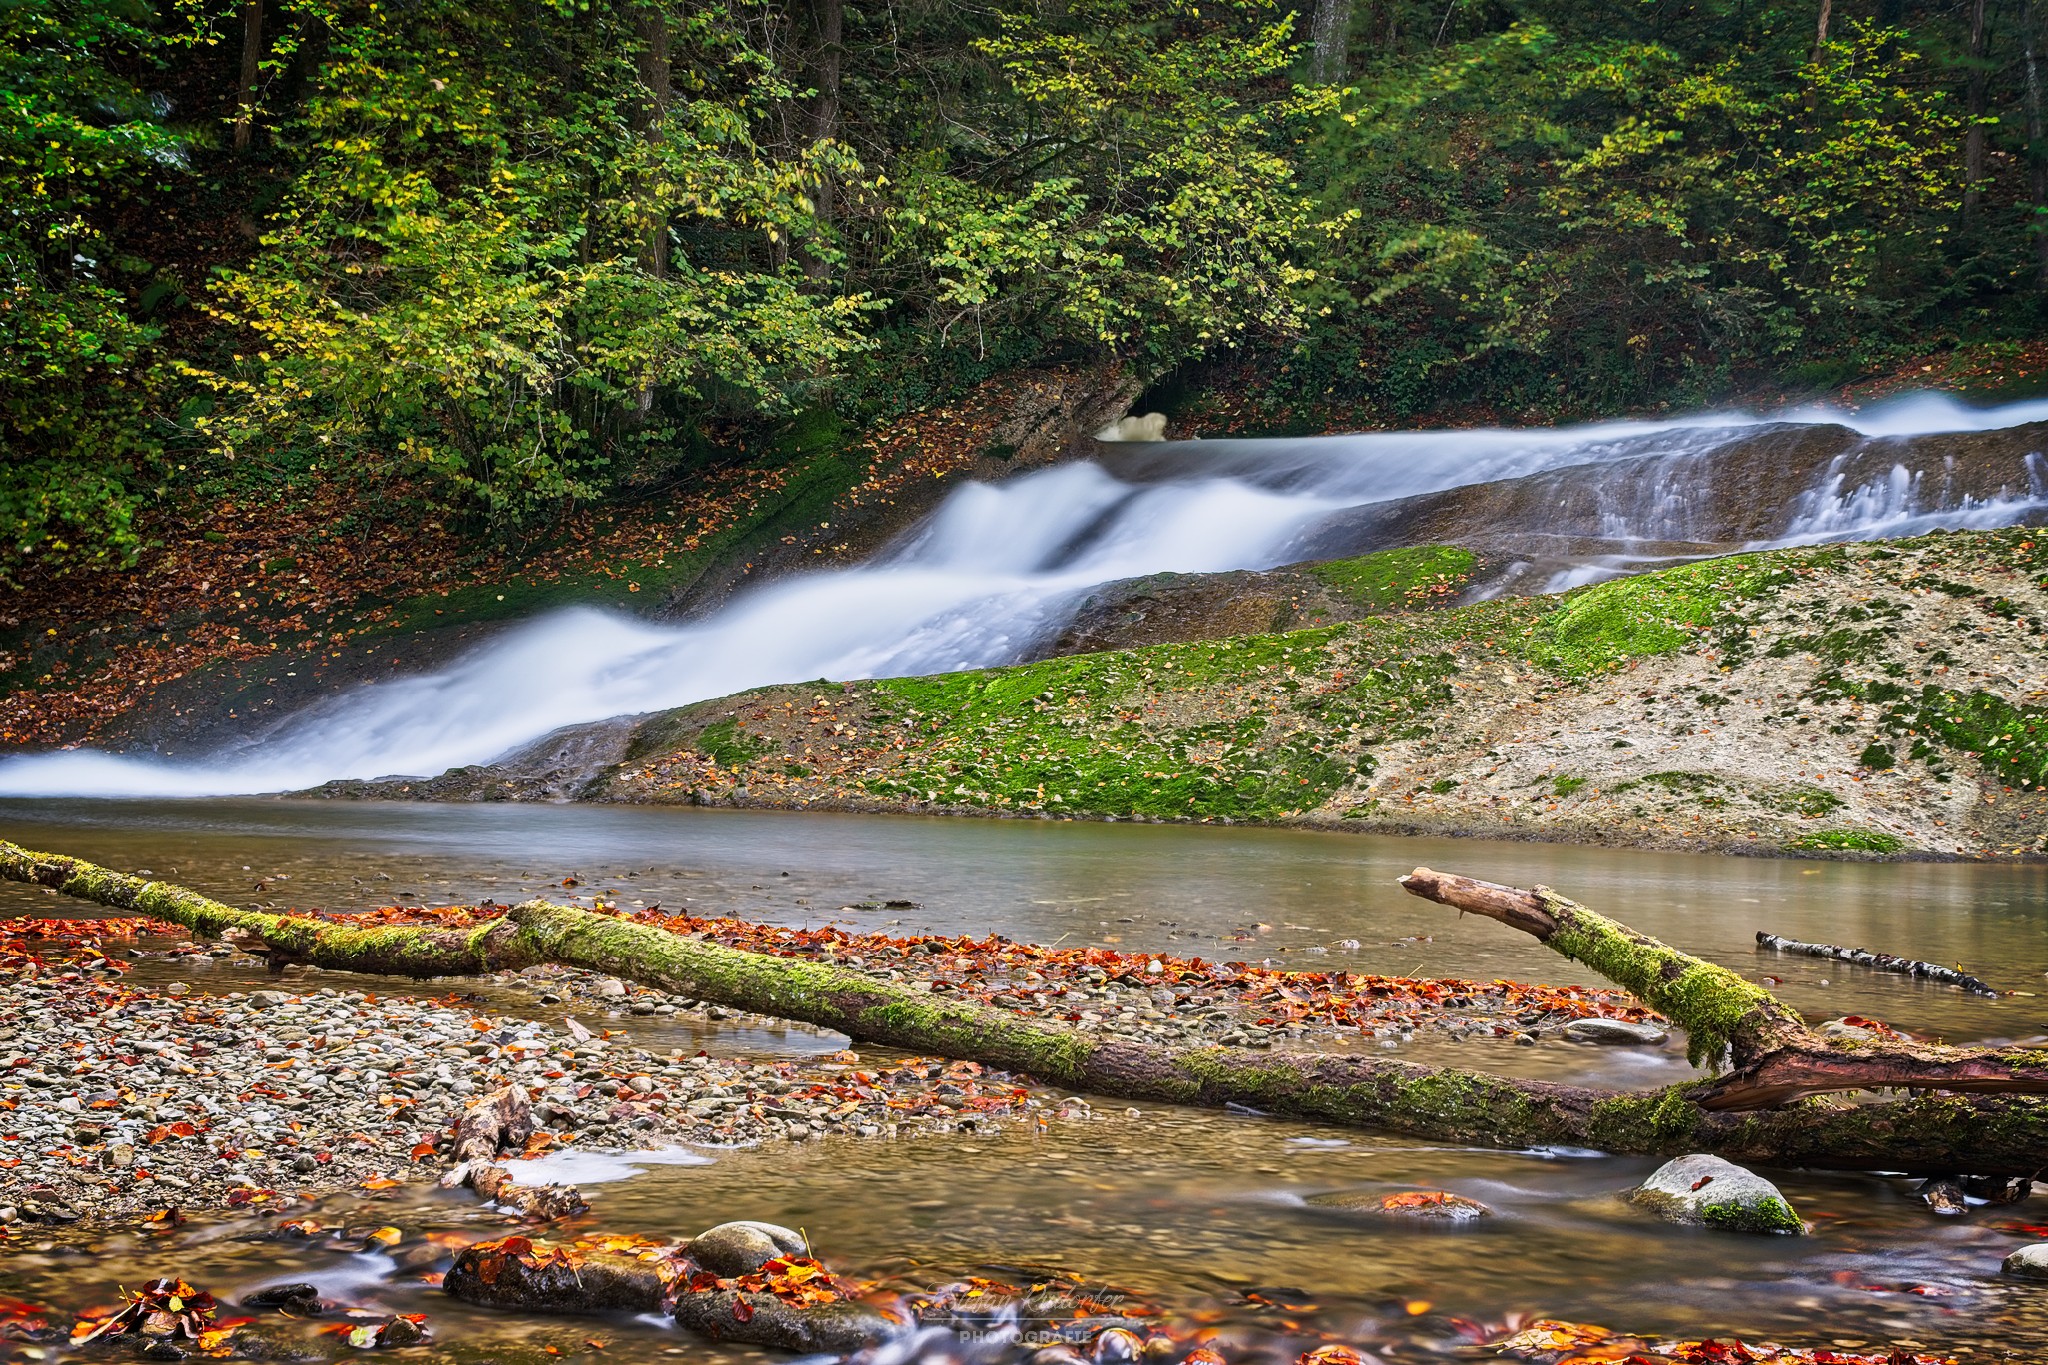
(998, 568)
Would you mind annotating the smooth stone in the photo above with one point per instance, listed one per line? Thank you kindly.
(2030, 1262)
(1706, 1191)
(731, 1250)
(1615, 1031)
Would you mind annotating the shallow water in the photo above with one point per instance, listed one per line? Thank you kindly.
(1182, 1207)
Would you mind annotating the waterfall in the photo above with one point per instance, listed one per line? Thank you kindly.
(997, 568)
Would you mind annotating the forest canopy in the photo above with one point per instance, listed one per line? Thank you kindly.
(526, 254)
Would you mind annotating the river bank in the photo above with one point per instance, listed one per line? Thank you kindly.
(1880, 700)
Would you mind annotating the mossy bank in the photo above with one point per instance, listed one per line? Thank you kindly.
(1871, 700)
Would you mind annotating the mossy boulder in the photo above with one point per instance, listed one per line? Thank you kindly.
(1705, 1191)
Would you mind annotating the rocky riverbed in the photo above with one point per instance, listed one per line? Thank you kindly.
(121, 1098)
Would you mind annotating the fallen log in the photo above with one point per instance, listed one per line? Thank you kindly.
(1772, 1057)
(1879, 962)
(1931, 1134)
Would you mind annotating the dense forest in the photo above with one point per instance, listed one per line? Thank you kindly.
(527, 254)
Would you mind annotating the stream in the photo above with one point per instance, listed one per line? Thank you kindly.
(1199, 1212)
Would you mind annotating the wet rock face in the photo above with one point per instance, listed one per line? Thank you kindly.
(590, 1282)
(1755, 486)
(1705, 1191)
(760, 1319)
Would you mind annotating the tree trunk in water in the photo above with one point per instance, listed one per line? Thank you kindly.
(252, 58)
(1928, 1133)
(1973, 137)
(2037, 143)
(1330, 30)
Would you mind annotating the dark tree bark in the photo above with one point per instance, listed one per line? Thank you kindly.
(828, 20)
(657, 77)
(1973, 136)
(1929, 1134)
(2037, 142)
(252, 59)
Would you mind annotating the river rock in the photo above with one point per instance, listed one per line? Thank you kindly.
(2030, 1262)
(543, 1281)
(731, 1250)
(1615, 1031)
(1436, 1206)
(1706, 1191)
(761, 1319)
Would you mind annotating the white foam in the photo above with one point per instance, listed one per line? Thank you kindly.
(597, 1166)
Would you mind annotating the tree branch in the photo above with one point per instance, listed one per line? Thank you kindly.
(1935, 1135)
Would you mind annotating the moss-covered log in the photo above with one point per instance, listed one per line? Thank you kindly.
(1774, 1056)
(1933, 1134)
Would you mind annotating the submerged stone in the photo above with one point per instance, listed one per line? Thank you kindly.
(1705, 1191)
(1619, 1031)
(1438, 1206)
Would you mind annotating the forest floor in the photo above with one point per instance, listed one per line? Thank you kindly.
(1870, 700)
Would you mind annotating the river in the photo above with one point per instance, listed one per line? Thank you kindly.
(1189, 1209)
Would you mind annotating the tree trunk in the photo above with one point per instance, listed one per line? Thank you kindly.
(1820, 31)
(827, 68)
(1973, 137)
(2037, 144)
(1330, 30)
(657, 77)
(1928, 1133)
(252, 58)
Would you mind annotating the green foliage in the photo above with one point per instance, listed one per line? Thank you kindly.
(1399, 580)
(1159, 215)
(75, 351)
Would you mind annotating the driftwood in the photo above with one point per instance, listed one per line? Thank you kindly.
(1773, 1056)
(1879, 962)
(1755, 1112)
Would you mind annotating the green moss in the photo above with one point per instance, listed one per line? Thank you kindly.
(1566, 786)
(1708, 1001)
(1849, 840)
(1765, 1215)
(1810, 802)
(1635, 618)
(730, 746)
(1398, 580)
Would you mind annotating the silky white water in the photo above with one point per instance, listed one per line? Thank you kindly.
(993, 570)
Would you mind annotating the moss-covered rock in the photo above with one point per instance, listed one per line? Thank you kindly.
(1706, 1191)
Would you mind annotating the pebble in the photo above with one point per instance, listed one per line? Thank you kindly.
(125, 1098)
